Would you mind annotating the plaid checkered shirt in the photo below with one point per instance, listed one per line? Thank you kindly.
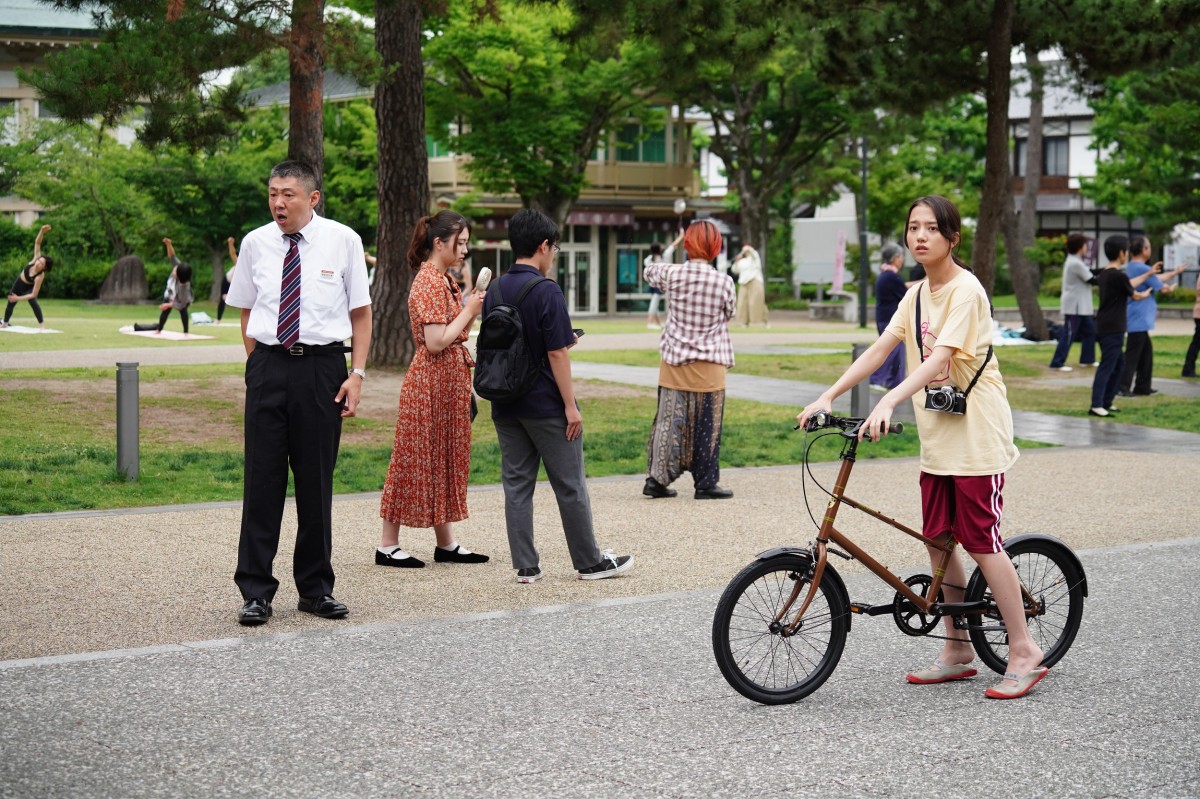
(700, 303)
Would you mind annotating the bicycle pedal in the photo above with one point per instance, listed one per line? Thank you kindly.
(869, 610)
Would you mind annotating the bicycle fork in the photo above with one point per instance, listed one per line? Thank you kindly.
(820, 556)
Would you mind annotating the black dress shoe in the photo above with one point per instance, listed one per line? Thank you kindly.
(256, 611)
(1145, 393)
(1125, 394)
(457, 555)
(657, 490)
(324, 606)
(390, 559)
(716, 492)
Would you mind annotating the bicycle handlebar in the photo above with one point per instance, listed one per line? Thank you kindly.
(848, 425)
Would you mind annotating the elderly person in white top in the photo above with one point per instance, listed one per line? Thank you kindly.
(1077, 311)
(696, 352)
(751, 294)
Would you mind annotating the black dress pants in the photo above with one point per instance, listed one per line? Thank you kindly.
(291, 420)
(1139, 363)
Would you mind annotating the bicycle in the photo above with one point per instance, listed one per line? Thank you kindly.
(776, 642)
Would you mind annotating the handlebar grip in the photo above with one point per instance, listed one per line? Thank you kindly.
(896, 428)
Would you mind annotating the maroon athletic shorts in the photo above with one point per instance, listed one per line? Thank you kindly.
(968, 507)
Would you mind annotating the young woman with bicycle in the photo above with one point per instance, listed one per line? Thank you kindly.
(965, 426)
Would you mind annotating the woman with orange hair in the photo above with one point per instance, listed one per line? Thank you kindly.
(696, 352)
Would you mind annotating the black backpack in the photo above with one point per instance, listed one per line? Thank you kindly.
(505, 369)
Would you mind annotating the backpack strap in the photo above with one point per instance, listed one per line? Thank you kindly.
(529, 284)
(528, 287)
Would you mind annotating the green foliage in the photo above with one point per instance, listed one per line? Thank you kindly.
(16, 243)
(941, 151)
(778, 127)
(143, 57)
(1145, 124)
(528, 96)
(77, 279)
(1047, 251)
(82, 177)
(351, 163)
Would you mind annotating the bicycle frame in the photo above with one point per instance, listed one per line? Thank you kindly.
(829, 534)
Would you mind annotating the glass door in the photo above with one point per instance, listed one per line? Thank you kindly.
(580, 282)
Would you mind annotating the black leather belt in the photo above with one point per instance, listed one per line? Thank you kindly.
(336, 348)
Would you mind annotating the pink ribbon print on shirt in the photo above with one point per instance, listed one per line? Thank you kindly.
(928, 342)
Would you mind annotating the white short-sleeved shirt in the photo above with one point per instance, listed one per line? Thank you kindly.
(958, 315)
(333, 281)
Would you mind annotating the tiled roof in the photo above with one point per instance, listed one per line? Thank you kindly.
(338, 88)
(33, 18)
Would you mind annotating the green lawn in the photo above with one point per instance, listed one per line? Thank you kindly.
(58, 451)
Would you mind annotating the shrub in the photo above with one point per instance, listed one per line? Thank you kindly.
(79, 280)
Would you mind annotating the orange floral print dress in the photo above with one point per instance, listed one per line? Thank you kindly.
(431, 457)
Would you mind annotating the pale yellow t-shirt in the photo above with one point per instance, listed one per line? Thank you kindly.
(958, 315)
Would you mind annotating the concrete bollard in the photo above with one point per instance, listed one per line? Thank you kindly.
(860, 395)
(127, 420)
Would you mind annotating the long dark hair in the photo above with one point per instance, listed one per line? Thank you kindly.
(444, 225)
(949, 222)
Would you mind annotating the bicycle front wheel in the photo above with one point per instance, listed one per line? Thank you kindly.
(756, 653)
(1052, 576)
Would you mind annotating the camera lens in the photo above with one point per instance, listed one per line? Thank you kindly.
(939, 400)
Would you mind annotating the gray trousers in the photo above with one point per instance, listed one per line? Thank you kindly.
(524, 445)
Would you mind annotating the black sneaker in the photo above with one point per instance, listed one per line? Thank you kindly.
(529, 575)
(610, 565)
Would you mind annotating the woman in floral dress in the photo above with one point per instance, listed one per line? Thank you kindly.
(426, 483)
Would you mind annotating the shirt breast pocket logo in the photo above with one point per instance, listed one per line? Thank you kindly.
(327, 287)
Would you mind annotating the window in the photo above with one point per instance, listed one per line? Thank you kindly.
(1054, 155)
(436, 149)
(635, 144)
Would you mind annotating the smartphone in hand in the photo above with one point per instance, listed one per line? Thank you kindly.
(578, 331)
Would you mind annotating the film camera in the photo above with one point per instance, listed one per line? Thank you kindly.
(946, 399)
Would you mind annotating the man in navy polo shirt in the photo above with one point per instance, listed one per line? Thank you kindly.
(545, 425)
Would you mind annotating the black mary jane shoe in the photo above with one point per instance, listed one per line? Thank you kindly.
(408, 562)
(456, 555)
(656, 490)
(256, 611)
(324, 606)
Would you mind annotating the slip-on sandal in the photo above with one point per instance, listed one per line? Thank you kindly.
(1020, 688)
(941, 672)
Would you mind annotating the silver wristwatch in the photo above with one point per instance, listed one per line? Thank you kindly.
(362, 373)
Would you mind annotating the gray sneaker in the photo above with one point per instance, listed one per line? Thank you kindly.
(610, 565)
(529, 575)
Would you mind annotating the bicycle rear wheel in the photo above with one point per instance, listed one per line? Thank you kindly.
(1051, 573)
(753, 651)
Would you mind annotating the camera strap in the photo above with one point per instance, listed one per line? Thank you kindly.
(921, 349)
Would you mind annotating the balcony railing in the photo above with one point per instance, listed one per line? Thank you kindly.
(620, 179)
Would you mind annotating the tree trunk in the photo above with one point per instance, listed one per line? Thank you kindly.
(996, 196)
(1026, 275)
(403, 173)
(306, 61)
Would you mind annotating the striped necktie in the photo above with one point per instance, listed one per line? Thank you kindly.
(289, 294)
